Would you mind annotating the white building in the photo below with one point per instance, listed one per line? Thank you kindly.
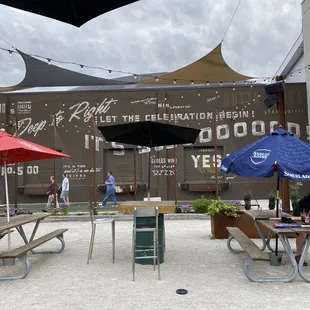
(306, 37)
(296, 66)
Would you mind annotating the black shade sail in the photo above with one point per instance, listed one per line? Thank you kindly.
(74, 12)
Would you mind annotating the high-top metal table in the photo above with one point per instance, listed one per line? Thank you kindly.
(146, 238)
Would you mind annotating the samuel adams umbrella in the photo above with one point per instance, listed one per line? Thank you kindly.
(280, 151)
(149, 134)
(15, 150)
(74, 12)
(281, 148)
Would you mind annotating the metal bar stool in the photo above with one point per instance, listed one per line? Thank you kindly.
(145, 212)
(94, 222)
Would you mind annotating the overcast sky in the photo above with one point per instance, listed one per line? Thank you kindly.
(157, 36)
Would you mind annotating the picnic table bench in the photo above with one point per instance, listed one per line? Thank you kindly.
(21, 252)
(254, 253)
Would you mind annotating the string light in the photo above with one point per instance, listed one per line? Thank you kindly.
(191, 81)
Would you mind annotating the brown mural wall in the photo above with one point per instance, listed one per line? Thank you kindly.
(241, 118)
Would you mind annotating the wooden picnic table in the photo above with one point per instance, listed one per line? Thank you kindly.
(18, 222)
(258, 215)
(283, 237)
(263, 214)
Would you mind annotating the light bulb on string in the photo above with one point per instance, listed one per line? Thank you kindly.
(49, 61)
(82, 67)
(192, 82)
(135, 76)
(10, 52)
(110, 72)
(156, 78)
(174, 81)
(208, 83)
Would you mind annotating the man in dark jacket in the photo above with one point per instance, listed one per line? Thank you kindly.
(51, 196)
(302, 206)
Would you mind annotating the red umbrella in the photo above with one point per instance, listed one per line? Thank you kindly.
(15, 150)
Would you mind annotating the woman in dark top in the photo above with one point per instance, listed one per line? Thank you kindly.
(302, 206)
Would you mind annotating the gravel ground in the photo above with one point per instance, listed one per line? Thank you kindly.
(212, 275)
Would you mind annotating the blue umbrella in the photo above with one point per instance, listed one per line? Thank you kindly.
(280, 151)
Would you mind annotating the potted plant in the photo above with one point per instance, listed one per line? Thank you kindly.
(222, 215)
(272, 201)
(247, 200)
(201, 204)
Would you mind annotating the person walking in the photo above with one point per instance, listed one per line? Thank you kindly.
(110, 183)
(65, 189)
(52, 194)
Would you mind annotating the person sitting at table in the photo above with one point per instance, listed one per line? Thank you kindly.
(303, 205)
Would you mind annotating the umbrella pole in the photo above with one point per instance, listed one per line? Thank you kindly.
(7, 203)
(149, 179)
(277, 207)
(94, 160)
(54, 165)
(175, 175)
(135, 172)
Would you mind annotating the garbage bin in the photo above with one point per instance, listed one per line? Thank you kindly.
(146, 239)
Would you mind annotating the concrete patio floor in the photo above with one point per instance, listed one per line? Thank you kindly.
(212, 275)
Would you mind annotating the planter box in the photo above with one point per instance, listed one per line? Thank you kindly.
(243, 222)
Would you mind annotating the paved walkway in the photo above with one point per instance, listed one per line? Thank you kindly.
(212, 275)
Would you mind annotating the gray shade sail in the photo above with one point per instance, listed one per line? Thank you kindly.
(42, 74)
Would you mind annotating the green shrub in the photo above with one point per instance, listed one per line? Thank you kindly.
(201, 204)
(64, 211)
(218, 207)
